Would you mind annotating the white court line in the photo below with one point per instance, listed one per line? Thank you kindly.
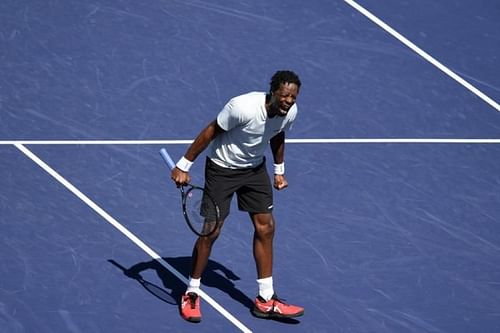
(406, 141)
(186, 142)
(94, 142)
(423, 54)
(127, 233)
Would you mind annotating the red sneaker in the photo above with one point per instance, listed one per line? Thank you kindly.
(190, 307)
(275, 308)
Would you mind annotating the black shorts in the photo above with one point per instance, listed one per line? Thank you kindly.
(252, 187)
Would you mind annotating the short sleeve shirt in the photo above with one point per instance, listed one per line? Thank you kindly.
(248, 130)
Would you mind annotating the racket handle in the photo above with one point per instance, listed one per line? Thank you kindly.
(167, 158)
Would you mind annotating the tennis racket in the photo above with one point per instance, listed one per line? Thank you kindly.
(200, 210)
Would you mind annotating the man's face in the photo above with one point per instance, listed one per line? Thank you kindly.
(283, 99)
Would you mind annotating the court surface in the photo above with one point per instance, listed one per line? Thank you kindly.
(391, 222)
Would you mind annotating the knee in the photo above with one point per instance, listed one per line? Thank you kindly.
(207, 241)
(264, 227)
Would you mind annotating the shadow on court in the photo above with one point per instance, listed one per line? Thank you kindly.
(215, 275)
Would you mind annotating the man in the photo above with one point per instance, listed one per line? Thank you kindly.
(236, 164)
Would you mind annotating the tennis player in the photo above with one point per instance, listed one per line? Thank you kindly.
(235, 163)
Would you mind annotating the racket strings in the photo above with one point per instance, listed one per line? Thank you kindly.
(202, 212)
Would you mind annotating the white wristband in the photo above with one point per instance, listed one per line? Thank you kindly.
(279, 169)
(184, 164)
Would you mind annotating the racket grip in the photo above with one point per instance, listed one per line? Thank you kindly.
(167, 158)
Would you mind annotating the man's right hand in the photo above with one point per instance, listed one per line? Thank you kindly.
(180, 177)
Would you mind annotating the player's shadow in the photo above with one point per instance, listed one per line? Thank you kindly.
(215, 275)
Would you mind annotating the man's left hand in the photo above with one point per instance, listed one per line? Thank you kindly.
(280, 182)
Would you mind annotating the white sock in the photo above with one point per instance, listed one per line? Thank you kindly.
(266, 290)
(194, 286)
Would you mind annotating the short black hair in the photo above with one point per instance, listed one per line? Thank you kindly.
(283, 77)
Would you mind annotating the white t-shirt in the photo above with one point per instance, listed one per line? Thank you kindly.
(248, 131)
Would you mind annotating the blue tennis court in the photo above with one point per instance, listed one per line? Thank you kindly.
(391, 222)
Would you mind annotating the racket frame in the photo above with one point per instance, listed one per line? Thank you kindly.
(184, 193)
(184, 196)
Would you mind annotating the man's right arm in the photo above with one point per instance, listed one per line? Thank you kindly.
(201, 142)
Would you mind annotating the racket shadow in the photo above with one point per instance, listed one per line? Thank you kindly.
(216, 275)
(153, 289)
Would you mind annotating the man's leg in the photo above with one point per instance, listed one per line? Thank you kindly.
(263, 243)
(201, 252)
(190, 302)
(267, 304)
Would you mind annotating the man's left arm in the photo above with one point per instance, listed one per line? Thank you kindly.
(278, 149)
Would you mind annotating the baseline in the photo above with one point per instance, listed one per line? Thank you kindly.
(318, 140)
